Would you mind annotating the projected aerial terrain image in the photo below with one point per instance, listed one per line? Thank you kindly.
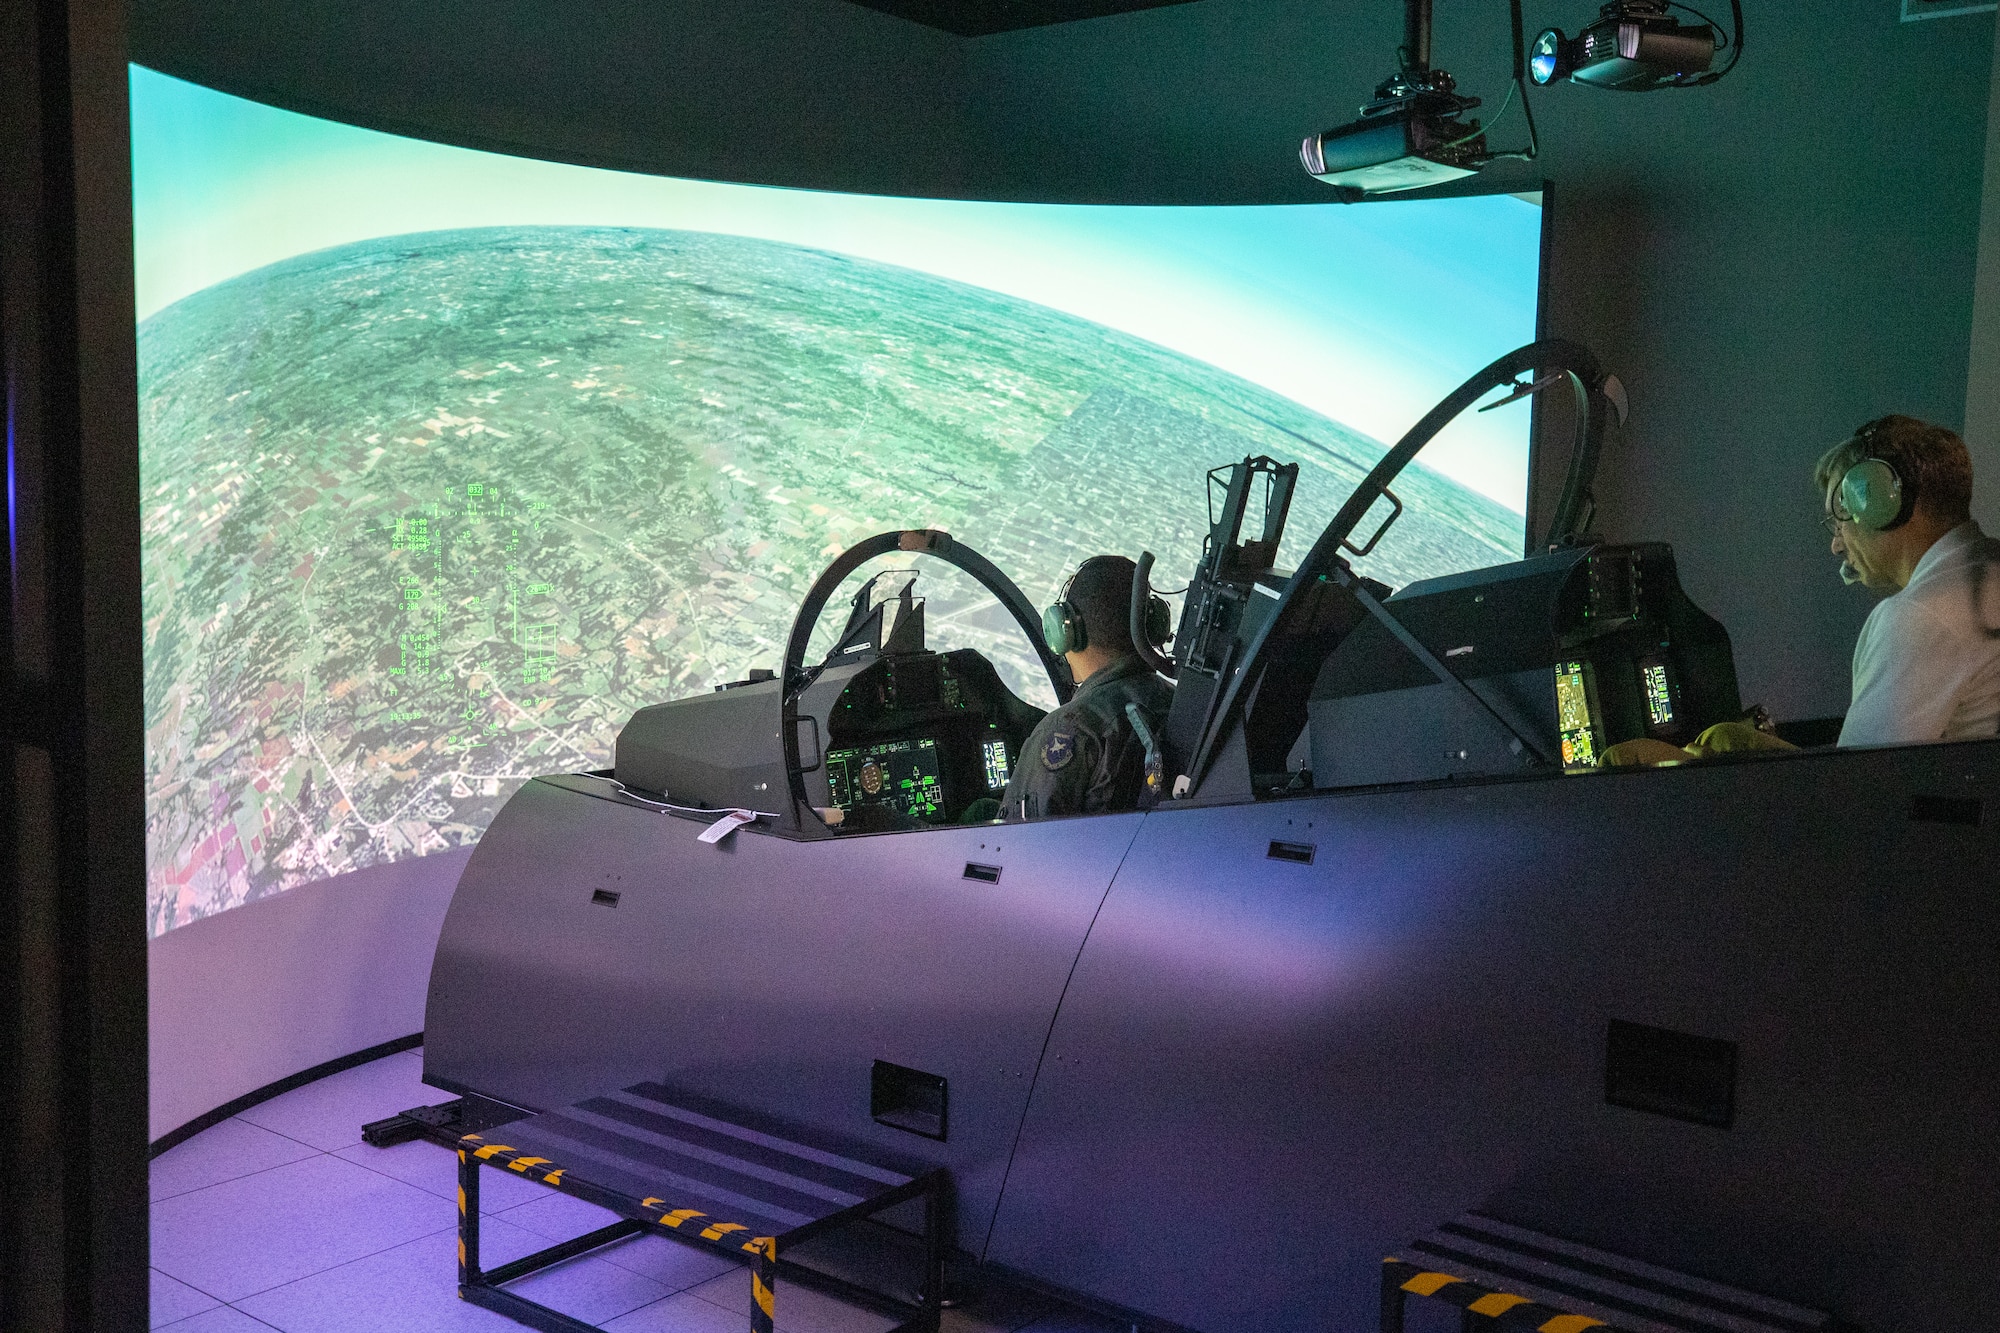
(428, 515)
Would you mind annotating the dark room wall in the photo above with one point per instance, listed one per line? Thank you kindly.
(1982, 389)
(1765, 263)
(788, 92)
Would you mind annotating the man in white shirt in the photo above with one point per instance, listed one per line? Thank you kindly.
(1898, 499)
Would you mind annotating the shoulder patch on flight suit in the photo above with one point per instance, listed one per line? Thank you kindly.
(1058, 750)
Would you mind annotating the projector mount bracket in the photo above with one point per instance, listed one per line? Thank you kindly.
(1416, 132)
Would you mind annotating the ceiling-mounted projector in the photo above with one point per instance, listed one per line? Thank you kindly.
(1415, 132)
(1636, 46)
(1411, 135)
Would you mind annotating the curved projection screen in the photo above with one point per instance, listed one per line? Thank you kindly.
(452, 460)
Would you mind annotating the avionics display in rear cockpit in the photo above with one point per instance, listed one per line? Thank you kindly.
(1573, 716)
(900, 774)
(1659, 695)
(453, 461)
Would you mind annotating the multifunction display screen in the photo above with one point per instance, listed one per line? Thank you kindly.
(1659, 695)
(996, 765)
(902, 774)
(1579, 735)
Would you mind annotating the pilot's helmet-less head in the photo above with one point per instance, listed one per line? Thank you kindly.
(1876, 478)
(1094, 610)
(1874, 482)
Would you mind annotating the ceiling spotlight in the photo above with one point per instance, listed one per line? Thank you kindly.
(1637, 46)
(1551, 58)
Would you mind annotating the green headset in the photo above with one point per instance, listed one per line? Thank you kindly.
(1063, 626)
(1873, 494)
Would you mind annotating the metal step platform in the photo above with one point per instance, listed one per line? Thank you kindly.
(1506, 1277)
(679, 1165)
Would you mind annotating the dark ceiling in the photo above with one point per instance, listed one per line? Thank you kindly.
(981, 18)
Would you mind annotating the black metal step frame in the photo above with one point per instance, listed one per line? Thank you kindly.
(659, 1213)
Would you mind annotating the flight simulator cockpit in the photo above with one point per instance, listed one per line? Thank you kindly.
(1287, 681)
(1375, 959)
(889, 732)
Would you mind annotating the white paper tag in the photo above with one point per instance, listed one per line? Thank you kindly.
(728, 824)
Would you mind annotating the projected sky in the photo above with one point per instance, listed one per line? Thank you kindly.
(1367, 314)
(452, 460)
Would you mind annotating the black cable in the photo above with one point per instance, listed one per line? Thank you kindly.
(1521, 80)
(1483, 129)
(1534, 147)
(1720, 35)
(1534, 140)
(1734, 41)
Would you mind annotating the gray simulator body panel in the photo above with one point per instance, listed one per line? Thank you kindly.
(1261, 1077)
(764, 972)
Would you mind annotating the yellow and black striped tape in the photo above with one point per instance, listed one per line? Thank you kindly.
(461, 1218)
(1519, 1311)
(763, 1277)
(502, 1154)
(764, 1285)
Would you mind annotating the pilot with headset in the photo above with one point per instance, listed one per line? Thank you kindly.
(1898, 501)
(1098, 752)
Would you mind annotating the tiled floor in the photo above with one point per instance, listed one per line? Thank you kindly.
(281, 1218)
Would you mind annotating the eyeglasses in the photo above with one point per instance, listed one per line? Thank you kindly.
(1832, 518)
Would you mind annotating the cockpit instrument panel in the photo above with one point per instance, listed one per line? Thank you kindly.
(890, 733)
(997, 765)
(1659, 692)
(1559, 656)
(924, 734)
(902, 775)
(1575, 718)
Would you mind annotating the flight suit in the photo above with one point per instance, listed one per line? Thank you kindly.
(1087, 756)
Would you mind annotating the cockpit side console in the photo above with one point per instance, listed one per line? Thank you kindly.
(708, 750)
(1568, 653)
